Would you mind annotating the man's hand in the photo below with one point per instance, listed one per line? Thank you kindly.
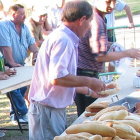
(96, 95)
(10, 71)
(4, 77)
(97, 85)
(131, 25)
(133, 53)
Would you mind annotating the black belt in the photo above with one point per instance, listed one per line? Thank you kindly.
(93, 72)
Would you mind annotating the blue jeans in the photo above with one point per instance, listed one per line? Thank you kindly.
(18, 99)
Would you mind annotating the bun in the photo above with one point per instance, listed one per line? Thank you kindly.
(97, 106)
(109, 109)
(113, 89)
(114, 115)
(116, 138)
(78, 136)
(87, 114)
(95, 137)
(125, 131)
(93, 108)
(133, 117)
(93, 128)
(132, 123)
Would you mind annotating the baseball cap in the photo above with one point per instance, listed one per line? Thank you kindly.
(39, 10)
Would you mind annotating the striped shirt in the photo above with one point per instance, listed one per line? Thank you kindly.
(93, 44)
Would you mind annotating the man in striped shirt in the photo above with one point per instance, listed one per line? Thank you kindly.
(93, 50)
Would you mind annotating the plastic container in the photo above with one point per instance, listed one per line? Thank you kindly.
(136, 81)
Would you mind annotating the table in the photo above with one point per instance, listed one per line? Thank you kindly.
(21, 79)
(125, 82)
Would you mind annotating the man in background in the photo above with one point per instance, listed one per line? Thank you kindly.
(15, 40)
(93, 50)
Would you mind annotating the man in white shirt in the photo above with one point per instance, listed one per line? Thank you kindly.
(54, 78)
(120, 5)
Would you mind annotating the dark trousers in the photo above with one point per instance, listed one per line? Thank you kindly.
(81, 100)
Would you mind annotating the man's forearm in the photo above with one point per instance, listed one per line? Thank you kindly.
(72, 81)
(8, 54)
(111, 56)
(129, 13)
(80, 81)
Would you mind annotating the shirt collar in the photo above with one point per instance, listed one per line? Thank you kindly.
(22, 25)
(71, 34)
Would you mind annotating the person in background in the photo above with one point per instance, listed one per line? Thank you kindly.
(54, 78)
(35, 21)
(92, 50)
(120, 5)
(15, 40)
(54, 14)
(3, 13)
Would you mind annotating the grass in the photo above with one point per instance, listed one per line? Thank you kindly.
(133, 4)
(17, 135)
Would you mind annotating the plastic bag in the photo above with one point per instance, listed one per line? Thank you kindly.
(122, 64)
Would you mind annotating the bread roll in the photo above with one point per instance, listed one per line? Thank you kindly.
(87, 114)
(93, 128)
(125, 131)
(133, 117)
(95, 137)
(109, 109)
(114, 115)
(138, 136)
(116, 138)
(132, 123)
(113, 89)
(107, 138)
(78, 136)
(95, 107)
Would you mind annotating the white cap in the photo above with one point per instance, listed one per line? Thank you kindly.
(39, 10)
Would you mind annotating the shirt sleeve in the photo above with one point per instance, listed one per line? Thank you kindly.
(98, 39)
(4, 35)
(60, 56)
(120, 5)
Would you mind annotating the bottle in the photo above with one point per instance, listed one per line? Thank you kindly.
(2, 65)
(136, 80)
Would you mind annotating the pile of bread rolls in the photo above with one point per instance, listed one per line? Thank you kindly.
(111, 123)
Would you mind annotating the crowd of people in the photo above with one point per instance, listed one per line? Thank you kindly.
(68, 44)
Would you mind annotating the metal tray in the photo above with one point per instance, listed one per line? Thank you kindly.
(128, 102)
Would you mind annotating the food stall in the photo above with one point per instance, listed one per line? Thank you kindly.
(127, 89)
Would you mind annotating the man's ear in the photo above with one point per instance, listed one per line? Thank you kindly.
(13, 14)
(83, 18)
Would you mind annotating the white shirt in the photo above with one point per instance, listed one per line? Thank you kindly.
(54, 16)
(110, 17)
(58, 57)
